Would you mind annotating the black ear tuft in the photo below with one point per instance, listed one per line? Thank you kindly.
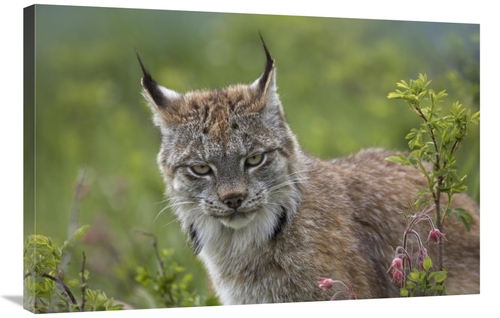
(152, 88)
(264, 80)
(146, 76)
(270, 61)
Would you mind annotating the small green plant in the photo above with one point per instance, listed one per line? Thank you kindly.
(424, 282)
(47, 289)
(433, 148)
(421, 281)
(170, 285)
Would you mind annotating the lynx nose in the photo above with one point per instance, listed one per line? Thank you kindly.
(233, 201)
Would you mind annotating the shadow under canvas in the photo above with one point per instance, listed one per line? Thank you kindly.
(17, 299)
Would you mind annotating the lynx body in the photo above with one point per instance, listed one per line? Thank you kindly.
(269, 220)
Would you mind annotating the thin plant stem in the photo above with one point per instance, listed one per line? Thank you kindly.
(160, 266)
(84, 282)
(436, 193)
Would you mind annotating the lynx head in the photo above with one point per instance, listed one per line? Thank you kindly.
(228, 158)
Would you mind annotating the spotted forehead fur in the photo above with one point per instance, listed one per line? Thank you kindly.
(214, 111)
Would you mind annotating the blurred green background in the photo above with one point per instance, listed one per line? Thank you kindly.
(333, 78)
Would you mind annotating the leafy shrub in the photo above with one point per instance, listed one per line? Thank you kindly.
(170, 285)
(47, 289)
(436, 141)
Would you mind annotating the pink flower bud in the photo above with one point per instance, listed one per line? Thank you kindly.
(325, 283)
(397, 276)
(397, 264)
(434, 235)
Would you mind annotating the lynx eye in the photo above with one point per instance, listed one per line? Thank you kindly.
(201, 170)
(254, 160)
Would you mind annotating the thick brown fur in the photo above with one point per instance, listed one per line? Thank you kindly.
(269, 220)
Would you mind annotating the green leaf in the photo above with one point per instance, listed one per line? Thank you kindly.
(422, 94)
(459, 188)
(394, 159)
(70, 242)
(394, 95)
(437, 288)
(464, 217)
(427, 263)
(440, 276)
(403, 292)
(441, 94)
(410, 285)
(422, 277)
(414, 275)
(411, 97)
(412, 133)
(98, 300)
(401, 159)
(402, 84)
(475, 118)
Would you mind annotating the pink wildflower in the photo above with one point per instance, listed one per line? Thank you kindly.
(397, 264)
(434, 235)
(325, 283)
(397, 276)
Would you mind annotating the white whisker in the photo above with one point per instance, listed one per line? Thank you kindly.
(284, 184)
(172, 205)
(163, 201)
(165, 225)
(159, 213)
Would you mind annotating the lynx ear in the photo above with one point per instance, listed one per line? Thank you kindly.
(265, 87)
(266, 83)
(159, 97)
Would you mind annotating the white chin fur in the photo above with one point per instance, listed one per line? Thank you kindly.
(238, 221)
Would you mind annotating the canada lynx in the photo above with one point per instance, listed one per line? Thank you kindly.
(269, 220)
